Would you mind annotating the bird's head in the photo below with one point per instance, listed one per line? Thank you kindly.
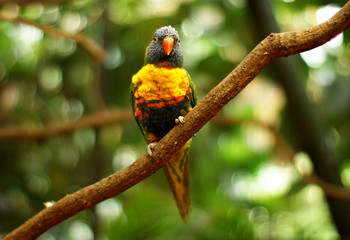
(164, 49)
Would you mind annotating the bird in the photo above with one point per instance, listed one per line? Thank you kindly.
(161, 94)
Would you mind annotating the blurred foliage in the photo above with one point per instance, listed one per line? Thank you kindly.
(242, 187)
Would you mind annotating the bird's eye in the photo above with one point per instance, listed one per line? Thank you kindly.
(155, 39)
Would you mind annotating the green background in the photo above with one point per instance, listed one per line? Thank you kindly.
(245, 182)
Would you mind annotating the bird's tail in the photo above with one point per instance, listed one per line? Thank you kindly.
(176, 171)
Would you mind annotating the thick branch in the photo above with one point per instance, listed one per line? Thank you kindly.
(87, 43)
(308, 128)
(117, 116)
(276, 45)
(93, 120)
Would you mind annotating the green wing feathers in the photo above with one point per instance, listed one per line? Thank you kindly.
(194, 92)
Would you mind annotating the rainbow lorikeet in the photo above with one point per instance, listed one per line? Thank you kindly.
(162, 92)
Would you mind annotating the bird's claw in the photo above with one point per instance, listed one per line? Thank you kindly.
(180, 119)
(150, 148)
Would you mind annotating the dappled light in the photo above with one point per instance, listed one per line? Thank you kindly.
(251, 174)
(315, 58)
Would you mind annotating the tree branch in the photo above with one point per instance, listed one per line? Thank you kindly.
(87, 43)
(308, 128)
(274, 46)
(93, 120)
(117, 116)
(26, 2)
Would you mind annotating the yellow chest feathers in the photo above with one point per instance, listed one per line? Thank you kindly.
(154, 83)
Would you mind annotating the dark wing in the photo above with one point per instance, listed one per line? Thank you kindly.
(193, 95)
(132, 90)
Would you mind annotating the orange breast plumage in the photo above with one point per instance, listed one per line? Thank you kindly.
(161, 95)
(155, 83)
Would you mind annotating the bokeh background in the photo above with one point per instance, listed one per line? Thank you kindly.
(247, 170)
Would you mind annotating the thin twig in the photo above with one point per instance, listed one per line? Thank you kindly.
(93, 120)
(25, 2)
(93, 48)
(330, 190)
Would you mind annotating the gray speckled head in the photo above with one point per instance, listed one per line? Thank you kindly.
(155, 52)
(166, 31)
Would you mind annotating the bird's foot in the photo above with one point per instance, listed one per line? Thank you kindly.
(180, 119)
(150, 148)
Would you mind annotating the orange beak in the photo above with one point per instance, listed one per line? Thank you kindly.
(168, 44)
